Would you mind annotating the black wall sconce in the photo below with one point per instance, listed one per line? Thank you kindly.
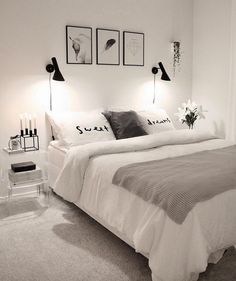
(56, 76)
(164, 76)
(50, 68)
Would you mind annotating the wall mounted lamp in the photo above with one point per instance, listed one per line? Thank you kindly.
(164, 76)
(50, 68)
(56, 76)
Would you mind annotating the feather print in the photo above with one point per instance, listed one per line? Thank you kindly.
(109, 44)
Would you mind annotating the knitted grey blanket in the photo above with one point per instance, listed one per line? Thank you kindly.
(177, 184)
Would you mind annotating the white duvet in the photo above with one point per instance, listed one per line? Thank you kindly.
(176, 252)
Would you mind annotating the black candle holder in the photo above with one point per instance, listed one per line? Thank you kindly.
(29, 141)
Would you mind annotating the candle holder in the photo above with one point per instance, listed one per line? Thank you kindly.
(29, 141)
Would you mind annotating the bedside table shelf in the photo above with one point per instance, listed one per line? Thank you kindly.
(23, 185)
(27, 185)
(31, 179)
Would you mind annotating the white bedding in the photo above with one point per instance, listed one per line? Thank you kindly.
(56, 157)
(176, 252)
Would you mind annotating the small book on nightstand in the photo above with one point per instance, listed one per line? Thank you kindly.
(23, 166)
(26, 176)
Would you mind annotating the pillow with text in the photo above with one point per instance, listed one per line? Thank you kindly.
(77, 128)
(155, 121)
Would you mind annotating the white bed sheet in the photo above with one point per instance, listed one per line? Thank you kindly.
(176, 252)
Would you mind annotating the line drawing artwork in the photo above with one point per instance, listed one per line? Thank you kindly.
(134, 46)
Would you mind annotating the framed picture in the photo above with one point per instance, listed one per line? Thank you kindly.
(133, 48)
(108, 46)
(78, 45)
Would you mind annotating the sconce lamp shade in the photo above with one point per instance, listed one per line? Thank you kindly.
(164, 75)
(54, 67)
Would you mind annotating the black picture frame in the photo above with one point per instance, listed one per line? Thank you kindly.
(133, 48)
(78, 45)
(107, 46)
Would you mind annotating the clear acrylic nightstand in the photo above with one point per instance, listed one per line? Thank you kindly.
(31, 183)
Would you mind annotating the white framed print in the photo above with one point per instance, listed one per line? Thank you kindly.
(78, 45)
(107, 46)
(133, 48)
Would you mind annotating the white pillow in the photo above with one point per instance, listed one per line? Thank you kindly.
(155, 121)
(77, 128)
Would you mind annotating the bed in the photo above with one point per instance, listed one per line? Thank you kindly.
(83, 174)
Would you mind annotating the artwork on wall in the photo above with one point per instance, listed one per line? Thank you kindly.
(108, 46)
(133, 48)
(175, 46)
(78, 45)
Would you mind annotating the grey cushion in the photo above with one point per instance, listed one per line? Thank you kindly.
(125, 124)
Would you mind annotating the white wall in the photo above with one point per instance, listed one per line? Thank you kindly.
(211, 60)
(231, 121)
(33, 31)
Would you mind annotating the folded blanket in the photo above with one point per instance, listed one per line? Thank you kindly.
(178, 184)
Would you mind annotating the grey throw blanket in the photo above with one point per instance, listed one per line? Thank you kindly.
(177, 184)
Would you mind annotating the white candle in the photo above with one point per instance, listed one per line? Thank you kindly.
(30, 122)
(21, 122)
(35, 121)
(26, 120)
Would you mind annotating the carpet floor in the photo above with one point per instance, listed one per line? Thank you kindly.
(62, 243)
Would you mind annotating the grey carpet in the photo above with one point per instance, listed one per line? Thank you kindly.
(62, 243)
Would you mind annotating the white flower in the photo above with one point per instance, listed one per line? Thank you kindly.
(190, 112)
